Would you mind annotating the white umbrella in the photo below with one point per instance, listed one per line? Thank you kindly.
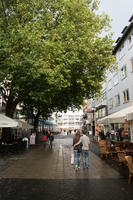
(6, 122)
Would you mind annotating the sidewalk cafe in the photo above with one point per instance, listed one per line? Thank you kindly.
(122, 118)
(113, 148)
(19, 129)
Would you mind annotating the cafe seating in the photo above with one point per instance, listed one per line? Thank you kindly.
(121, 156)
(104, 151)
(130, 167)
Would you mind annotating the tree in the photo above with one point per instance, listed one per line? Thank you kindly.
(56, 45)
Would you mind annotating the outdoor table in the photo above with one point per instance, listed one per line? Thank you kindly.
(5, 147)
(128, 152)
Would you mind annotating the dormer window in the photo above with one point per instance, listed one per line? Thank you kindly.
(121, 51)
(130, 40)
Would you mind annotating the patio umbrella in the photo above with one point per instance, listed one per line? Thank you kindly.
(7, 122)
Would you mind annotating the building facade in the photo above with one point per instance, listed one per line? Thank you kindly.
(114, 109)
(70, 120)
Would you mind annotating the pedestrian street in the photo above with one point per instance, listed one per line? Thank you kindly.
(44, 173)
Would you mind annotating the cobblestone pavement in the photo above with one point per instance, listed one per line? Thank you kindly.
(42, 173)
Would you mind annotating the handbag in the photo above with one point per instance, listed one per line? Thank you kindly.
(72, 158)
(44, 138)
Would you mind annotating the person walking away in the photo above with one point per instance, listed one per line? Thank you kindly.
(85, 150)
(76, 143)
(51, 139)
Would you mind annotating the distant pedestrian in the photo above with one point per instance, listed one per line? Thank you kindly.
(112, 134)
(76, 145)
(51, 139)
(120, 132)
(85, 150)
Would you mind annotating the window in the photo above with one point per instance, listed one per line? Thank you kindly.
(110, 84)
(110, 103)
(103, 112)
(117, 100)
(103, 98)
(130, 40)
(125, 96)
(103, 86)
(116, 79)
(121, 51)
(99, 113)
(132, 65)
(123, 72)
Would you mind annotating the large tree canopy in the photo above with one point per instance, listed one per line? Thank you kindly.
(52, 48)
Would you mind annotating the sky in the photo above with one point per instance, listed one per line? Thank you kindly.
(119, 11)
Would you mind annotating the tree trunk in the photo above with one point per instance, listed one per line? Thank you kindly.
(36, 120)
(10, 108)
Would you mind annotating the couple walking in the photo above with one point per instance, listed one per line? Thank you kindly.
(81, 145)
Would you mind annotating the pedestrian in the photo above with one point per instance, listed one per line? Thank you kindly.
(112, 134)
(51, 139)
(25, 141)
(120, 133)
(76, 145)
(85, 150)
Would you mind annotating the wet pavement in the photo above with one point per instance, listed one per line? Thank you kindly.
(42, 173)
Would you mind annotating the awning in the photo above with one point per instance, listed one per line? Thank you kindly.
(130, 117)
(49, 122)
(24, 125)
(7, 122)
(117, 117)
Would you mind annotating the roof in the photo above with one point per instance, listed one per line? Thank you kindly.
(131, 18)
(125, 32)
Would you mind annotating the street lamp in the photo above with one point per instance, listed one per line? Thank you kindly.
(93, 121)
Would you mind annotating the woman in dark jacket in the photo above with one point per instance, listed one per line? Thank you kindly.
(76, 143)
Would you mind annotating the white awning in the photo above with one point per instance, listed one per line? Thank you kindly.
(7, 122)
(117, 117)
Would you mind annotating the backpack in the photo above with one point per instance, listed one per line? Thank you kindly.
(51, 138)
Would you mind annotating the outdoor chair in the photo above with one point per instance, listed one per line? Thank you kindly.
(104, 149)
(121, 156)
(130, 167)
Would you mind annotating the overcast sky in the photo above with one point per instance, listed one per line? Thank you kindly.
(120, 11)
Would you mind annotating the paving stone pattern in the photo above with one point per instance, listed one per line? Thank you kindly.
(45, 174)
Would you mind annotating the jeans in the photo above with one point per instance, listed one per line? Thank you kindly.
(76, 158)
(85, 155)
